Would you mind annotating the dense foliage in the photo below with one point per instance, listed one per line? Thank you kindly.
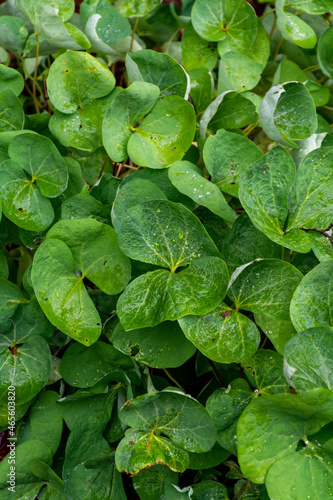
(166, 262)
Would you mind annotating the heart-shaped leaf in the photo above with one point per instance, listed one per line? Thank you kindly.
(128, 107)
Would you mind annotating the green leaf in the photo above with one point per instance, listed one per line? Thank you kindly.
(102, 262)
(311, 304)
(161, 179)
(210, 489)
(13, 34)
(311, 477)
(201, 88)
(165, 234)
(265, 287)
(238, 72)
(11, 111)
(84, 402)
(288, 113)
(39, 158)
(325, 54)
(196, 52)
(225, 407)
(232, 21)
(27, 320)
(244, 243)
(308, 358)
(105, 189)
(157, 477)
(128, 107)
(137, 8)
(311, 199)
(164, 135)
(27, 485)
(131, 194)
(84, 206)
(230, 110)
(278, 331)
(294, 29)
(103, 24)
(189, 180)
(162, 346)
(268, 207)
(11, 298)
(31, 10)
(83, 128)
(223, 335)
(265, 372)
(45, 421)
(159, 69)
(84, 366)
(227, 155)
(140, 449)
(310, 6)
(212, 458)
(4, 271)
(11, 79)
(60, 284)
(26, 365)
(89, 470)
(288, 420)
(182, 419)
(75, 79)
(62, 294)
(162, 295)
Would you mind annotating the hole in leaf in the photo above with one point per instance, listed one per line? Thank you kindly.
(135, 349)
(301, 445)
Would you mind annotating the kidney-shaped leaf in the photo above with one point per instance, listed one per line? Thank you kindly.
(11, 111)
(128, 107)
(224, 20)
(162, 295)
(165, 234)
(179, 417)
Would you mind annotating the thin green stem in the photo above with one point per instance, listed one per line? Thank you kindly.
(35, 76)
(173, 380)
(133, 33)
(278, 48)
(267, 14)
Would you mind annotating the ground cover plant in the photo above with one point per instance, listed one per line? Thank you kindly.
(166, 262)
